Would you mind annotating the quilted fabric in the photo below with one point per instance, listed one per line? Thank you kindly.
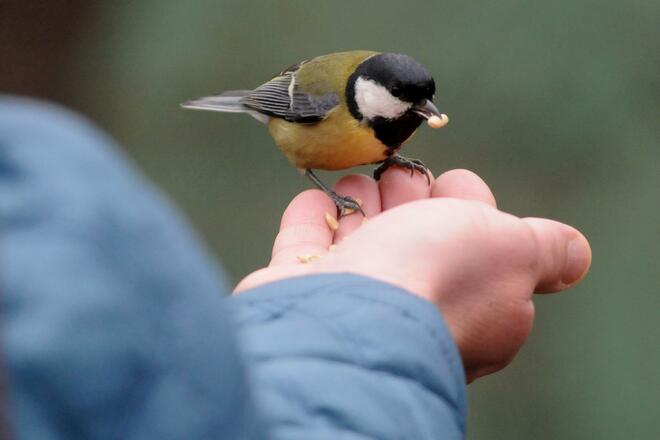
(344, 356)
(112, 322)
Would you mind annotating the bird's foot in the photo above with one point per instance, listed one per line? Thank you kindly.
(346, 204)
(411, 164)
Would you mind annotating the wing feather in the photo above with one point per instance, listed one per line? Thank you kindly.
(280, 97)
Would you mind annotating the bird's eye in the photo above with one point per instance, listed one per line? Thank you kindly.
(395, 91)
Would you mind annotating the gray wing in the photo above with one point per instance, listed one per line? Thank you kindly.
(281, 98)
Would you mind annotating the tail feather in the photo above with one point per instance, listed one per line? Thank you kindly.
(225, 102)
(228, 102)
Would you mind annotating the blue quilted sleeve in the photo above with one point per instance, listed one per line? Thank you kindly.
(347, 357)
(112, 324)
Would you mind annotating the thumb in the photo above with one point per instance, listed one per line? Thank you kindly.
(563, 255)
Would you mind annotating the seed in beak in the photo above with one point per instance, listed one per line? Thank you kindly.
(438, 121)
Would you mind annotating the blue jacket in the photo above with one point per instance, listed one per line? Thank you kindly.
(113, 323)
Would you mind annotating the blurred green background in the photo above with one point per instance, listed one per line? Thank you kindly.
(555, 104)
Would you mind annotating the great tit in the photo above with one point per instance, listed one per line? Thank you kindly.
(340, 110)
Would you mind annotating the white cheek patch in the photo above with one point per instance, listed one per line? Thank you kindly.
(374, 100)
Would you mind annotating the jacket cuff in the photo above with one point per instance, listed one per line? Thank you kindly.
(353, 336)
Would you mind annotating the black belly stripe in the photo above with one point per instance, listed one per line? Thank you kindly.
(394, 132)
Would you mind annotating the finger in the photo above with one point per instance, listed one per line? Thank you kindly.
(563, 255)
(359, 187)
(304, 230)
(463, 184)
(397, 187)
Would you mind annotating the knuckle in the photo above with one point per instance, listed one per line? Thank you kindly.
(529, 247)
(514, 242)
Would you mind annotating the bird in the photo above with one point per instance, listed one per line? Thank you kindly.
(340, 110)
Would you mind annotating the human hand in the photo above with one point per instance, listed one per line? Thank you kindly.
(447, 244)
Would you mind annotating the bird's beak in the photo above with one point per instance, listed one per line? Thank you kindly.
(426, 109)
(430, 112)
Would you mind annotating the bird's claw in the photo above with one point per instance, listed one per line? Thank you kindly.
(411, 164)
(346, 205)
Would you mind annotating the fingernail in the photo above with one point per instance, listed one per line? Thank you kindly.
(578, 258)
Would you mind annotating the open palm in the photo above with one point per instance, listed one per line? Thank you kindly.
(446, 243)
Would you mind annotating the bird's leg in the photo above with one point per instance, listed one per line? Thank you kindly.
(412, 164)
(342, 202)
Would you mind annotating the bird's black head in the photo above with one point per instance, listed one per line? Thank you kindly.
(390, 91)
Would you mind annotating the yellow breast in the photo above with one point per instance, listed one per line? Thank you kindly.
(337, 142)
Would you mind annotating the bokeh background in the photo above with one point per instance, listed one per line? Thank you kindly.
(556, 104)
